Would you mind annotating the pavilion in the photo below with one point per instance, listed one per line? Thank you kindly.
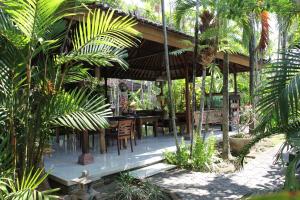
(146, 62)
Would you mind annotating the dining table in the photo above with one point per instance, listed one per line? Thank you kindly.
(144, 119)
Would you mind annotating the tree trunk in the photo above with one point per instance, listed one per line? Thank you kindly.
(226, 148)
(209, 101)
(194, 74)
(252, 61)
(171, 100)
(202, 99)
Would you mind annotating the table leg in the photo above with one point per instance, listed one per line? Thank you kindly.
(139, 128)
(86, 157)
(155, 125)
(57, 135)
(102, 141)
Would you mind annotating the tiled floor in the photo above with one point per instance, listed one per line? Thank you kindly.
(62, 164)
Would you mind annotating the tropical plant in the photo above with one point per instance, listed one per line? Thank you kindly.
(167, 64)
(43, 48)
(131, 189)
(218, 34)
(278, 108)
(26, 187)
(199, 160)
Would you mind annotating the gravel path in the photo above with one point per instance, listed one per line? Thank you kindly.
(259, 175)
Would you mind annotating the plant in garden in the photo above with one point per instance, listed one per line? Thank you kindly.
(43, 48)
(26, 187)
(201, 158)
(278, 108)
(131, 189)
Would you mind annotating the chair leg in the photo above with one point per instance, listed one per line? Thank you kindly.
(131, 144)
(118, 145)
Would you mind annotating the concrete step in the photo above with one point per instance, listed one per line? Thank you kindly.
(151, 170)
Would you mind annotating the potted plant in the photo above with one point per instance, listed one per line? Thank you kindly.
(241, 139)
(238, 142)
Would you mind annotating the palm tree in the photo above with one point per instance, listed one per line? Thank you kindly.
(278, 107)
(39, 55)
(195, 60)
(171, 100)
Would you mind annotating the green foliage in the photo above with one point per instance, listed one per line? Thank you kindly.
(203, 152)
(278, 196)
(5, 156)
(39, 55)
(25, 188)
(131, 189)
(278, 108)
(145, 99)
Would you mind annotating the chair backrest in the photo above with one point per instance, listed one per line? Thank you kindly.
(125, 127)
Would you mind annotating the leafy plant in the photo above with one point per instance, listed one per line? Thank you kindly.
(278, 108)
(42, 49)
(131, 189)
(201, 157)
(26, 187)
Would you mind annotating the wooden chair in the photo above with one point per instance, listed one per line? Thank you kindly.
(124, 131)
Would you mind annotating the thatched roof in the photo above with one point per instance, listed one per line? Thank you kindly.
(146, 62)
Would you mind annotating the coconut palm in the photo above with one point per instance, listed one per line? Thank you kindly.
(44, 48)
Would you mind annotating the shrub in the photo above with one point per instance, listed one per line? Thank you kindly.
(203, 152)
(180, 158)
(131, 189)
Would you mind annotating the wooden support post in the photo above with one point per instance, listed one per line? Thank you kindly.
(86, 157)
(106, 89)
(102, 141)
(235, 83)
(97, 72)
(188, 103)
(57, 135)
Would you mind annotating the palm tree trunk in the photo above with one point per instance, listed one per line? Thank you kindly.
(252, 61)
(209, 101)
(194, 74)
(171, 100)
(202, 99)
(226, 147)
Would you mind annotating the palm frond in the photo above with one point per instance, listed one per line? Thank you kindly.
(34, 17)
(10, 32)
(180, 51)
(101, 38)
(77, 73)
(182, 7)
(27, 187)
(282, 90)
(6, 154)
(80, 110)
(101, 56)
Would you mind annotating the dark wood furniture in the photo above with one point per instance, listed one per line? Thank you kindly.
(215, 113)
(181, 122)
(141, 120)
(123, 132)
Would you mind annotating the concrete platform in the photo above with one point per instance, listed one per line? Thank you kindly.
(151, 170)
(63, 167)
